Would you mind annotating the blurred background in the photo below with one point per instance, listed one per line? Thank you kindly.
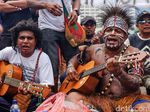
(91, 8)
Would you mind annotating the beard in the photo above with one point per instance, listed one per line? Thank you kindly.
(113, 43)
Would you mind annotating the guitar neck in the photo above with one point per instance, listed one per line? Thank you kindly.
(11, 81)
(93, 70)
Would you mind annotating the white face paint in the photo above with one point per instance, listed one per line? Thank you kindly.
(114, 38)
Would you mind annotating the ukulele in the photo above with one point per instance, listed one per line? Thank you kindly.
(87, 83)
(11, 76)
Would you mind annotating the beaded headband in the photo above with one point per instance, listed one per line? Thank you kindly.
(116, 21)
(117, 15)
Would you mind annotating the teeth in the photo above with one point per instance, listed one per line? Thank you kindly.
(111, 46)
(115, 45)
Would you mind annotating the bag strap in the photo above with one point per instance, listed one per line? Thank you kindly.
(66, 14)
(37, 62)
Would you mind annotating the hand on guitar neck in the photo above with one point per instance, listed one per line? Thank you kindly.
(34, 88)
(113, 66)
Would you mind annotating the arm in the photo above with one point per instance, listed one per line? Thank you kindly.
(130, 81)
(76, 5)
(4, 7)
(74, 14)
(1, 28)
(81, 58)
(28, 3)
(53, 8)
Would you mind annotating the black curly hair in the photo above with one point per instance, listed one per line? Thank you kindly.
(26, 25)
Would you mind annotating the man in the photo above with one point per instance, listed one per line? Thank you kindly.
(119, 83)
(35, 64)
(51, 22)
(141, 40)
(89, 25)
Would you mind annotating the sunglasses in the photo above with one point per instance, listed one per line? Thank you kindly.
(144, 21)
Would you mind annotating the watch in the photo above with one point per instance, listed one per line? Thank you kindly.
(77, 11)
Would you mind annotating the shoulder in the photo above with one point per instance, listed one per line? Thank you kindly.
(132, 49)
(8, 49)
(133, 36)
(43, 57)
(96, 47)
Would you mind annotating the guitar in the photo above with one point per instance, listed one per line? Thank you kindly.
(87, 83)
(11, 76)
(74, 33)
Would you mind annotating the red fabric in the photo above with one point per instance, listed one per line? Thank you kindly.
(57, 103)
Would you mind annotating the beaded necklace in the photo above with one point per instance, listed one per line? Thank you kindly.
(112, 75)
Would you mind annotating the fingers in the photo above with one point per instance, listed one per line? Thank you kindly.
(72, 74)
(73, 17)
(57, 11)
(112, 65)
(54, 9)
(72, 77)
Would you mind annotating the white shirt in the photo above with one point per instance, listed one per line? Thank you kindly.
(48, 20)
(44, 74)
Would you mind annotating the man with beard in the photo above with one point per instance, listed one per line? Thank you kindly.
(119, 84)
(141, 40)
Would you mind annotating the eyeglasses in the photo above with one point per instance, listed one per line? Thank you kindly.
(144, 21)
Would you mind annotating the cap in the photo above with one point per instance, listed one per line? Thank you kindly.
(86, 19)
(142, 15)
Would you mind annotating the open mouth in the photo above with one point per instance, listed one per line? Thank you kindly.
(112, 40)
(146, 28)
(24, 47)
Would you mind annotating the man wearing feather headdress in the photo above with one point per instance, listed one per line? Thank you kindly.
(118, 88)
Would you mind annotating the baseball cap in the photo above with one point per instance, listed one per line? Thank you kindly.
(141, 16)
(88, 18)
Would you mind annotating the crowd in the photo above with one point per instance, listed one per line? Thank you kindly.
(102, 74)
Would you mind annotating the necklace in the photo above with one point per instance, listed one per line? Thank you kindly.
(112, 75)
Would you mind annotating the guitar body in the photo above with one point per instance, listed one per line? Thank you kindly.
(85, 85)
(9, 70)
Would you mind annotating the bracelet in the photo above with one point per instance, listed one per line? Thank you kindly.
(69, 65)
(77, 11)
(18, 9)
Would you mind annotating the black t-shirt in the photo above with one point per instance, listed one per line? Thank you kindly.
(0, 18)
(139, 43)
(142, 44)
(11, 19)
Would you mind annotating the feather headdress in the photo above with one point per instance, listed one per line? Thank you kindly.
(115, 15)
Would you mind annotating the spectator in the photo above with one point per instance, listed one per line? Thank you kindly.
(89, 25)
(141, 40)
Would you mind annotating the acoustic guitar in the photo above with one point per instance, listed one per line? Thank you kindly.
(87, 82)
(11, 76)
